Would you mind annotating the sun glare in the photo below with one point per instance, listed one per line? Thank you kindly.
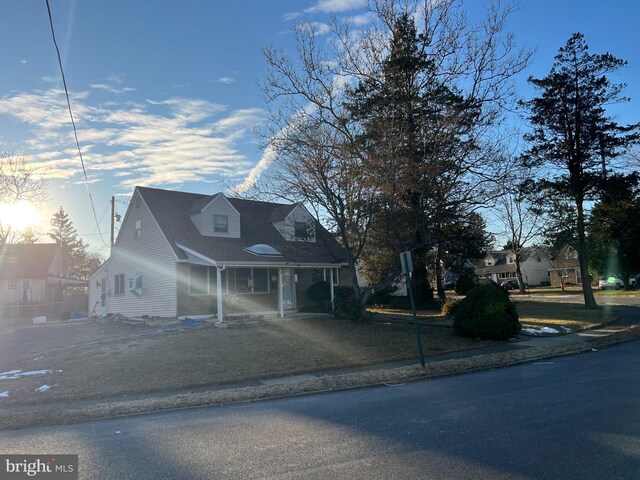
(19, 216)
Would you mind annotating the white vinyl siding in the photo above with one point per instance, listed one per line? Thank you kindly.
(149, 257)
(220, 207)
(293, 223)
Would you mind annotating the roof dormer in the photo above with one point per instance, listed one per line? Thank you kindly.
(215, 217)
(295, 224)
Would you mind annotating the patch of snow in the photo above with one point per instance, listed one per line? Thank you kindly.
(4, 394)
(43, 388)
(19, 374)
(536, 331)
(549, 330)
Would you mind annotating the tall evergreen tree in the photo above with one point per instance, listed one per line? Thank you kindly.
(573, 134)
(73, 248)
(417, 135)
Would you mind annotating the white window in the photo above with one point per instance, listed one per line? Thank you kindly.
(12, 283)
(137, 229)
(221, 223)
(198, 280)
(118, 281)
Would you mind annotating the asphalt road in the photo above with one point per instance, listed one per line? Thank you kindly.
(572, 418)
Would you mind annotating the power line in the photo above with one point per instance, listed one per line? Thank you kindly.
(73, 123)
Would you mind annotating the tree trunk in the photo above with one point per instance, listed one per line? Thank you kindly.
(583, 258)
(440, 286)
(521, 286)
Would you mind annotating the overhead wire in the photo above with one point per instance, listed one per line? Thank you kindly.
(73, 123)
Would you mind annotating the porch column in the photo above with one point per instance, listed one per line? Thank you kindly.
(219, 291)
(331, 289)
(280, 295)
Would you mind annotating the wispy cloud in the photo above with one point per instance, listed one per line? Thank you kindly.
(226, 80)
(335, 6)
(23, 61)
(156, 142)
(287, 17)
(110, 89)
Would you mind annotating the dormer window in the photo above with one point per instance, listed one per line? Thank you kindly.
(301, 231)
(221, 223)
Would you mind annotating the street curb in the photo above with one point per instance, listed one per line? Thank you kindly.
(68, 413)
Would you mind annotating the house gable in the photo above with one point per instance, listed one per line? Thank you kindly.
(218, 218)
(297, 226)
(489, 260)
(144, 263)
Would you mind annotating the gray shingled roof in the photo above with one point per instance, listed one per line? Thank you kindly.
(26, 261)
(171, 210)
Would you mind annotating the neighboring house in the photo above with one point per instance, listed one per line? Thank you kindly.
(34, 275)
(184, 254)
(500, 266)
(565, 268)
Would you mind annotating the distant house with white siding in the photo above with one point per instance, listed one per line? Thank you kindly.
(186, 255)
(500, 266)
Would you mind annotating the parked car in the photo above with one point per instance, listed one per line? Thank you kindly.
(614, 281)
(509, 285)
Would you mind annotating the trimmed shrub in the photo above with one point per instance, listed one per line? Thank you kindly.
(346, 305)
(463, 284)
(320, 293)
(486, 313)
(449, 306)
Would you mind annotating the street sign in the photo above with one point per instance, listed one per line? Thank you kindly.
(406, 263)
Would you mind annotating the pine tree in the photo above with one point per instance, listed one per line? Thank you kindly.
(416, 132)
(73, 248)
(573, 134)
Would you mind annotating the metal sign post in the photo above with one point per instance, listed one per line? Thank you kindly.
(407, 268)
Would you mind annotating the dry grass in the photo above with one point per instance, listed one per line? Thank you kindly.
(571, 316)
(136, 364)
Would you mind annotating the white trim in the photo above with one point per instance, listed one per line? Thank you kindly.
(215, 197)
(188, 251)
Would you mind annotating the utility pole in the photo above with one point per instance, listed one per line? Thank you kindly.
(113, 218)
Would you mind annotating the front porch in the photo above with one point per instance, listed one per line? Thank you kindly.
(247, 290)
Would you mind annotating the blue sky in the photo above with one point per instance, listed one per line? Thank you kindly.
(165, 93)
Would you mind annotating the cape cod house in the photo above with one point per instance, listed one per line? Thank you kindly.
(186, 255)
(500, 266)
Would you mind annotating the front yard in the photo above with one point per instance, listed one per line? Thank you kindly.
(136, 360)
(101, 359)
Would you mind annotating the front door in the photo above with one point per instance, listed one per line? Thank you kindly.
(288, 289)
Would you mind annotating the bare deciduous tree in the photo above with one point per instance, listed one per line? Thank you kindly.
(19, 180)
